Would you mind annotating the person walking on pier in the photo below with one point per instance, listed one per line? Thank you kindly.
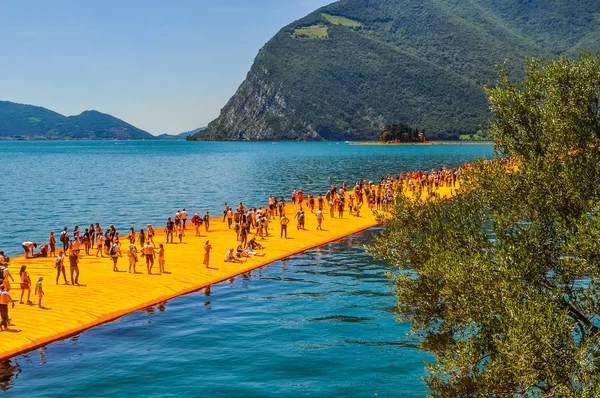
(39, 290)
(115, 253)
(148, 253)
(196, 220)
(142, 238)
(52, 243)
(64, 239)
(99, 244)
(133, 259)
(74, 265)
(284, 222)
(206, 220)
(151, 234)
(319, 215)
(60, 267)
(169, 229)
(5, 299)
(25, 284)
(161, 258)
(184, 216)
(300, 216)
(207, 249)
(180, 232)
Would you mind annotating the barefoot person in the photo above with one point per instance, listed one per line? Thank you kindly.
(52, 243)
(133, 259)
(180, 232)
(25, 284)
(284, 222)
(161, 258)
(60, 267)
(74, 265)
(29, 248)
(206, 220)
(148, 253)
(319, 215)
(5, 299)
(207, 249)
(6, 274)
(100, 245)
(230, 258)
(39, 290)
(115, 253)
(169, 229)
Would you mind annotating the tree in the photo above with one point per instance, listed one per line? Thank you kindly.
(502, 283)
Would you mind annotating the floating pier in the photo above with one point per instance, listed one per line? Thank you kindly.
(105, 295)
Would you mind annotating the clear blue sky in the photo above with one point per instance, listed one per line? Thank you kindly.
(164, 66)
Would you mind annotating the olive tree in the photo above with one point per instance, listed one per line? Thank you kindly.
(502, 283)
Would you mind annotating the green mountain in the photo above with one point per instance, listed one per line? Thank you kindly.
(19, 121)
(349, 68)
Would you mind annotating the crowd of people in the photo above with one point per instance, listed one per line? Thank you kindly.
(247, 224)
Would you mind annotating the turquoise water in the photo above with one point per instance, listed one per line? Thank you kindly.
(318, 324)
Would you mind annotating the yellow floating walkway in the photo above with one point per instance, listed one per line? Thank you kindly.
(106, 295)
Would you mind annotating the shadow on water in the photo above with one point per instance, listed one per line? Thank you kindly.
(8, 374)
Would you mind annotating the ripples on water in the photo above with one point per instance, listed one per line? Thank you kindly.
(319, 324)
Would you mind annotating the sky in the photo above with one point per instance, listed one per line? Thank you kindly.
(163, 66)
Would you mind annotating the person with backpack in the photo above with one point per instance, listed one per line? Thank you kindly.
(60, 267)
(115, 253)
(206, 220)
(64, 239)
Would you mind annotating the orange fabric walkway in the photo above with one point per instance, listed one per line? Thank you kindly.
(106, 295)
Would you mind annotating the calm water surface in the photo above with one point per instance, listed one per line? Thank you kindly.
(318, 324)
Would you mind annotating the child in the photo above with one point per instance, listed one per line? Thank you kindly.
(39, 290)
(161, 258)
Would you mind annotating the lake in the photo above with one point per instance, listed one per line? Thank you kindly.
(318, 324)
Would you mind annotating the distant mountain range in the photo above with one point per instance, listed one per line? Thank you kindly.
(20, 121)
(348, 69)
(181, 136)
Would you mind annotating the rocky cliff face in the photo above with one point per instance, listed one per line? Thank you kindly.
(347, 69)
(259, 111)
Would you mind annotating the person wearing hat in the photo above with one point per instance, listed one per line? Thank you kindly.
(150, 234)
(39, 290)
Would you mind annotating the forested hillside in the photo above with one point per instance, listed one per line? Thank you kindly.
(350, 68)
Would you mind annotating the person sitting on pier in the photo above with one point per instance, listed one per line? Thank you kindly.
(230, 258)
(254, 244)
(43, 251)
(249, 252)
